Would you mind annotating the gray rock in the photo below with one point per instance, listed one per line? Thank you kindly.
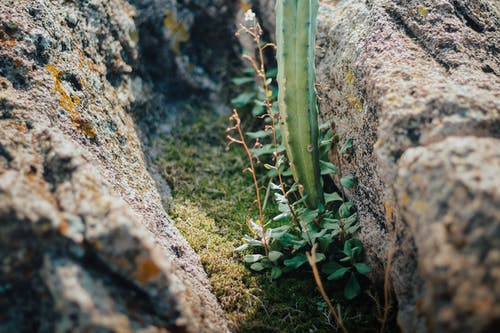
(85, 243)
(449, 195)
(398, 76)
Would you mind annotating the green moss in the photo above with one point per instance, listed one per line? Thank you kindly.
(212, 200)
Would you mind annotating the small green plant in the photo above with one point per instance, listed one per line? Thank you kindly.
(296, 230)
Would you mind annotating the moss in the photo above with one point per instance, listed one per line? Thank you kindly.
(211, 202)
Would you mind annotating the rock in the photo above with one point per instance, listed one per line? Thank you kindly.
(85, 243)
(415, 85)
(449, 195)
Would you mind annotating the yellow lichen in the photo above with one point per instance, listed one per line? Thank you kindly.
(65, 101)
(178, 29)
(349, 77)
(422, 10)
(405, 199)
(134, 35)
(69, 103)
(388, 210)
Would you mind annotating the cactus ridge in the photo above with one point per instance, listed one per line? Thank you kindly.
(295, 37)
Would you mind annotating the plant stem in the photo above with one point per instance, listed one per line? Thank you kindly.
(235, 117)
(311, 257)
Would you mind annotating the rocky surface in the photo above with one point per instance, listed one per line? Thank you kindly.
(449, 196)
(86, 86)
(417, 86)
(85, 243)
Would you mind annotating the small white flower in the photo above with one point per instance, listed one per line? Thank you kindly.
(249, 15)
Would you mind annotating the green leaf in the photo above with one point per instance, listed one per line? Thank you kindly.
(296, 261)
(353, 247)
(287, 172)
(298, 244)
(331, 197)
(257, 267)
(324, 126)
(258, 134)
(325, 241)
(338, 274)
(362, 268)
(279, 232)
(352, 288)
(328, 168)
(345, 146)
(282, 216)
(351, 220)
(345, 209)
(242, 80)
(352, 230)
(348, 181)
(276, 272)
(309, 215)
(288, 239)
(272, 72)
(243, 99)
(320, 257)
(258, 110)
(249, 258)
(266, 150)
(316, 235)
(347, 248)
(274, 255)
(241, 247)
(330, 267)
(252, 242)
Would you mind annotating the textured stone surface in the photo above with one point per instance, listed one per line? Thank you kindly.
(449, 194)
(85, 243)
(400, 78)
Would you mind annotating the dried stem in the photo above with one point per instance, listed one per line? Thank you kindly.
(235, 117)
(311, 257)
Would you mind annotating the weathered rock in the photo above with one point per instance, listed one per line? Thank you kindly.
(416, 84)
(449, 194)
(85, 243)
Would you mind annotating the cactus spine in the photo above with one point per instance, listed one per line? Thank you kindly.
(295, 37)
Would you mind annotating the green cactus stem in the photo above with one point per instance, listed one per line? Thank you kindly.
(295, 36)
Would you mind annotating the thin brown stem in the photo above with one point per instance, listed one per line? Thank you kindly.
(235, 117)
(311, 257)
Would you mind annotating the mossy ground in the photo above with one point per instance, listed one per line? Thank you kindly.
(212, 199)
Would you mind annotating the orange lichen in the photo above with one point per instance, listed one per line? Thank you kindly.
(69, 104)
(7, 40)
(355, 102)
(85, 126)
(179, 30)
(405, 199)
(63, 227)
(245, 6)
(147, 271)
(66, 102)
(388, 210)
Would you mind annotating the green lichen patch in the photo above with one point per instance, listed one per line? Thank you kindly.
(212, 200)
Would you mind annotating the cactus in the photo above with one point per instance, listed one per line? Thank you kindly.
(295, 36)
